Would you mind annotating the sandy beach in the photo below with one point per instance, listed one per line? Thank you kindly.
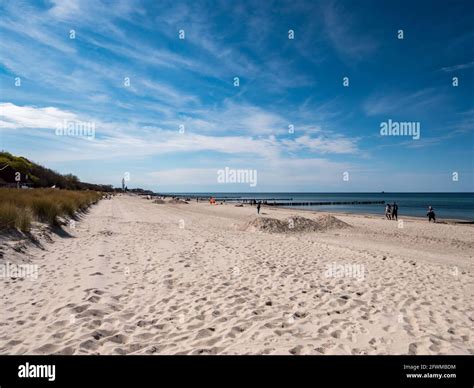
(137, 277)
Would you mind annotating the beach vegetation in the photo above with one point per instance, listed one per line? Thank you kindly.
(20, 207)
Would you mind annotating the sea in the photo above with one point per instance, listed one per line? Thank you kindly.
(458, 206)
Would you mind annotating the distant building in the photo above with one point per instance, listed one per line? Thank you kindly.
(9, 177)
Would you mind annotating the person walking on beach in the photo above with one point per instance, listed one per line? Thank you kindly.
(431, 214)
(395, 211)
(388, 211)
(258, 207)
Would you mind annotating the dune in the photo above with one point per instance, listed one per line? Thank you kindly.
(295, 224)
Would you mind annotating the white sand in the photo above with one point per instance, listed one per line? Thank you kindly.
(139, 277)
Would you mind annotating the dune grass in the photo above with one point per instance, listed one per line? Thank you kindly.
(19, 207)
(12, 217)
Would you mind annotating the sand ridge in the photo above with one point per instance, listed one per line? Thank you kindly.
(294, 224)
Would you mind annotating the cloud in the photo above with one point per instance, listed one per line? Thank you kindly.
(349, 40)
(86, 11)
(336, 144)
(229, 118)
(125, 139)
(37, 27)
(15, 117)
(245, 119)
(65, 9)
(462, 66)
(279, 175)
(402, 103)
(163, 92)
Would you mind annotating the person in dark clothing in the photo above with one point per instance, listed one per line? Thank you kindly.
(258, 207)
(395, 211)
(431, 214)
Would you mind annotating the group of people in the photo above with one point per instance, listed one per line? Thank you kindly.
(391, 211)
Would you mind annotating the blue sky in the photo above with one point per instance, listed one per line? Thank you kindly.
(48, 79)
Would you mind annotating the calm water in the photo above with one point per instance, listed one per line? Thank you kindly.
(446, 205)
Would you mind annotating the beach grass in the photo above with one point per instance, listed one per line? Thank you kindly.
(19, 208)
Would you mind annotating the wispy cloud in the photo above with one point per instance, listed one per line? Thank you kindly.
(322, 144)
(348, 39)
(461, 66)
(403, 102)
